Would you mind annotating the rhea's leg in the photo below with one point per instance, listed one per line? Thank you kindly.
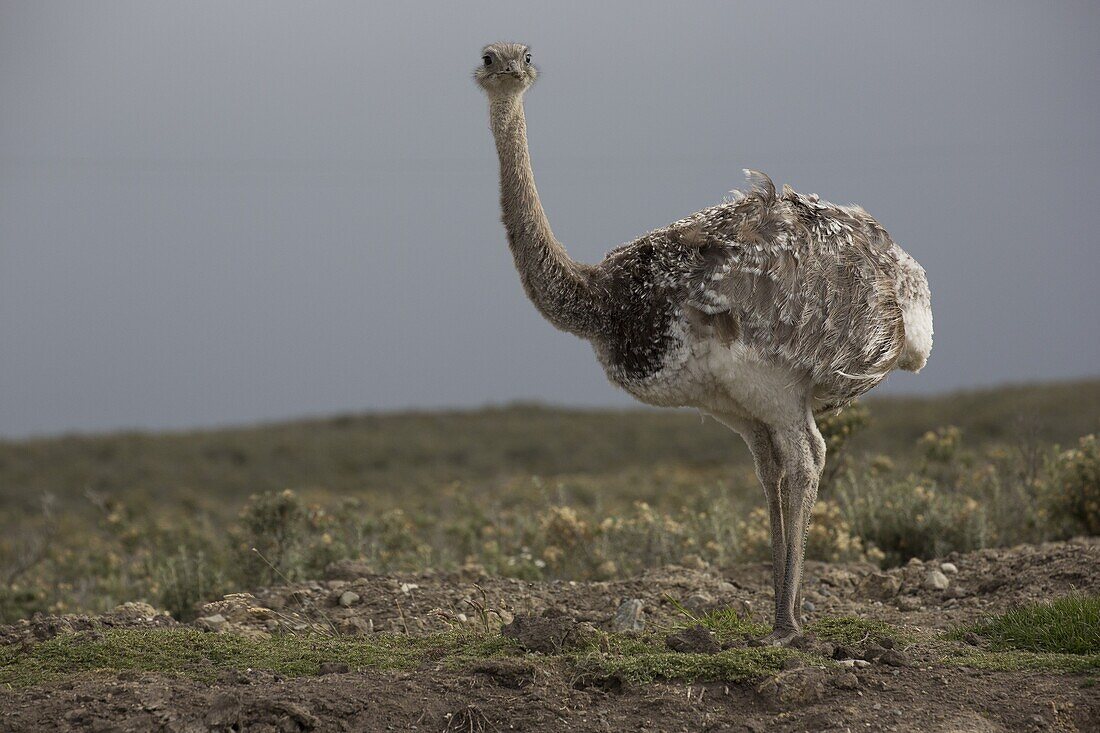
(796, 446)
(770, 473)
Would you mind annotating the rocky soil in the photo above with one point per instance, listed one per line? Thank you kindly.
(872, 687)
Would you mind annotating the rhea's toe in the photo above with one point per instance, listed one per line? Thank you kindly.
(779, 637)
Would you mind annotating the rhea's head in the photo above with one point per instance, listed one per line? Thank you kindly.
(505, 68)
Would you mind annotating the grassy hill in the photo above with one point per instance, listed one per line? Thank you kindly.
(409, 452)
(527, 491)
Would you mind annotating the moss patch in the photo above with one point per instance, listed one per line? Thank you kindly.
(199, 655)
(852, 631)
(732, 665)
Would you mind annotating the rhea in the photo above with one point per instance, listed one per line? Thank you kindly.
(759, 312)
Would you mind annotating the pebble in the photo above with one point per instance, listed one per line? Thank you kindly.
(726, 587)
(348, 598)
(880, 586)
(872, 651)
(847, 681)
(935, 580)
(808, 606)
(908, 603)
(699, 602)
(861, 663)
(847, 662)
(894, 658)
(217, 622)
(630, 616)
(334, 668)
(696, 640)
(949, 568)
(843, 652)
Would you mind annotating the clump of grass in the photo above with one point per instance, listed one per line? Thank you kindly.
(726, 623)
(852, 630)
(1067, 625)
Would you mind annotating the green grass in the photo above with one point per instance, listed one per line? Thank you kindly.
(1067, 625)
(726, 623)
(629, 659)
(199, 655)
(732, 665)
(852, 630)
(1062, 635)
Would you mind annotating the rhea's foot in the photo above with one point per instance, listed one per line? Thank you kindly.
(779, 637)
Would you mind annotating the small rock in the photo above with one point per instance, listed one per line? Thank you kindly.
(880, 586)
(408, 588)
(349, 598)
(808, 606)
(795, 687)
(949, 568)
(805, 642)
(935, 580)
(696, 640)
(726, 587)
(972, 639)
(136, 610)
(872, 651)
(886, 642)
(914, 561)
(216, 622)
(846, 681)
(334, 668)
(894, 658)
(551, 633)
(791, 663)
(843, 652)
(630, 617)
(355, 625)
(838, 578)
(861, 663)
(699, 602)
(908, 603)
(847, 663)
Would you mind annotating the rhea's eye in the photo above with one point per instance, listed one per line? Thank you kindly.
(487, 60)
(526, 58)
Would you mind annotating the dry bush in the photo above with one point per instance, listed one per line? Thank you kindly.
(1073, 487)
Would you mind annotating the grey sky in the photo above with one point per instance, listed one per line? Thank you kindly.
(219, 212)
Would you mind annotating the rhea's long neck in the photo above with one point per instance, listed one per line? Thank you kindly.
(561, 289)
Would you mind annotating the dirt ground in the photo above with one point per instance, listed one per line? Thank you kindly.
(503, 695)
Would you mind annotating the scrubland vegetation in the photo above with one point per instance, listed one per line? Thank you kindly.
(524, 491)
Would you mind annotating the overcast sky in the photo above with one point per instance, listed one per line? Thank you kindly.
(218, 212)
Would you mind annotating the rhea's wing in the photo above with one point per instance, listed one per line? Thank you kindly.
(811, 286)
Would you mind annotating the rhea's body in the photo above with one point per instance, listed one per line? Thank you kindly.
(756, 311)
